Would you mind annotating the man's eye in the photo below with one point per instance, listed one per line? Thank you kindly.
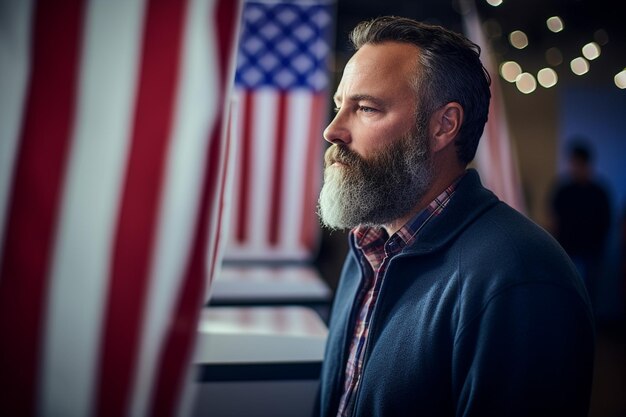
(367, 109)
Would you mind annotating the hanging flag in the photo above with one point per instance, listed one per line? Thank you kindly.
(281, 86)
(495, 159)
(113, 155)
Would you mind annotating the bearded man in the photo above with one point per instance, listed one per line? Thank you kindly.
(450, 302)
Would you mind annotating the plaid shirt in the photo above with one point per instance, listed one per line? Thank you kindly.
(376, 251)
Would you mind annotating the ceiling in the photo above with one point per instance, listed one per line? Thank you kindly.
(582, 19)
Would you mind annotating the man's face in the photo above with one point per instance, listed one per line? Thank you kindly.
(379, 165)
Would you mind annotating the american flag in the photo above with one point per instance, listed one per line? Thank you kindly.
(281, 88)
(496, 160)
(112, 161)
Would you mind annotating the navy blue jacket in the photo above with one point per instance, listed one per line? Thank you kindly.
(484, 315)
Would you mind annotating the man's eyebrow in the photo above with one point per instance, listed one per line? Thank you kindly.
(359, 97)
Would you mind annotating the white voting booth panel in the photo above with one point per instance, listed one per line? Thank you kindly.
(240, 285)
(243, 284)
(258, 361)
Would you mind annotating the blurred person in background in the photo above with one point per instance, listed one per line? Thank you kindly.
(581, 214)
(450, 302)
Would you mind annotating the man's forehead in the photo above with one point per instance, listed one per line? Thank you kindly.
(375, 68)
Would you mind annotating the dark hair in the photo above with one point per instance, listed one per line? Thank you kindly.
(451, 71)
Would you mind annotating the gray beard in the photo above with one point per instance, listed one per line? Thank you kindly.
(378, 191)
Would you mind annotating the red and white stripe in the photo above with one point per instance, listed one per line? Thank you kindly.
(277, 180)
(495, 159)
(111, 186)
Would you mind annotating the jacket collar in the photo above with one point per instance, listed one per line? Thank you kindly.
(469, 201)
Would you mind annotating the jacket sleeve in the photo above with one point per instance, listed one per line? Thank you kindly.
(527, 352)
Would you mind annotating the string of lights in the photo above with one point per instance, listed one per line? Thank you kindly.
(542, 44)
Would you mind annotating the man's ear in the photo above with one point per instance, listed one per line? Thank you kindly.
(445, 124)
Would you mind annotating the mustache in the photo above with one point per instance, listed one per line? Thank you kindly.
(341, 153)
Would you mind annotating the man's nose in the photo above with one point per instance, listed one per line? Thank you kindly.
(337, 131)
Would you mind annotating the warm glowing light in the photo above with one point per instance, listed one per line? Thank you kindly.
(579, 66)
(620, 79)
(526, 83)
(591, 51)
(555, 24)
(547, 77)
(494, 3)
(518, 39)
(509, 70)
(554, 56)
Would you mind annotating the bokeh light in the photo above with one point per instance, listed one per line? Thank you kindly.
(510, 70)
(547, 77)
(526, 83)
(518, 39)
(579, 66)
(591, 51)
(555, 24)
